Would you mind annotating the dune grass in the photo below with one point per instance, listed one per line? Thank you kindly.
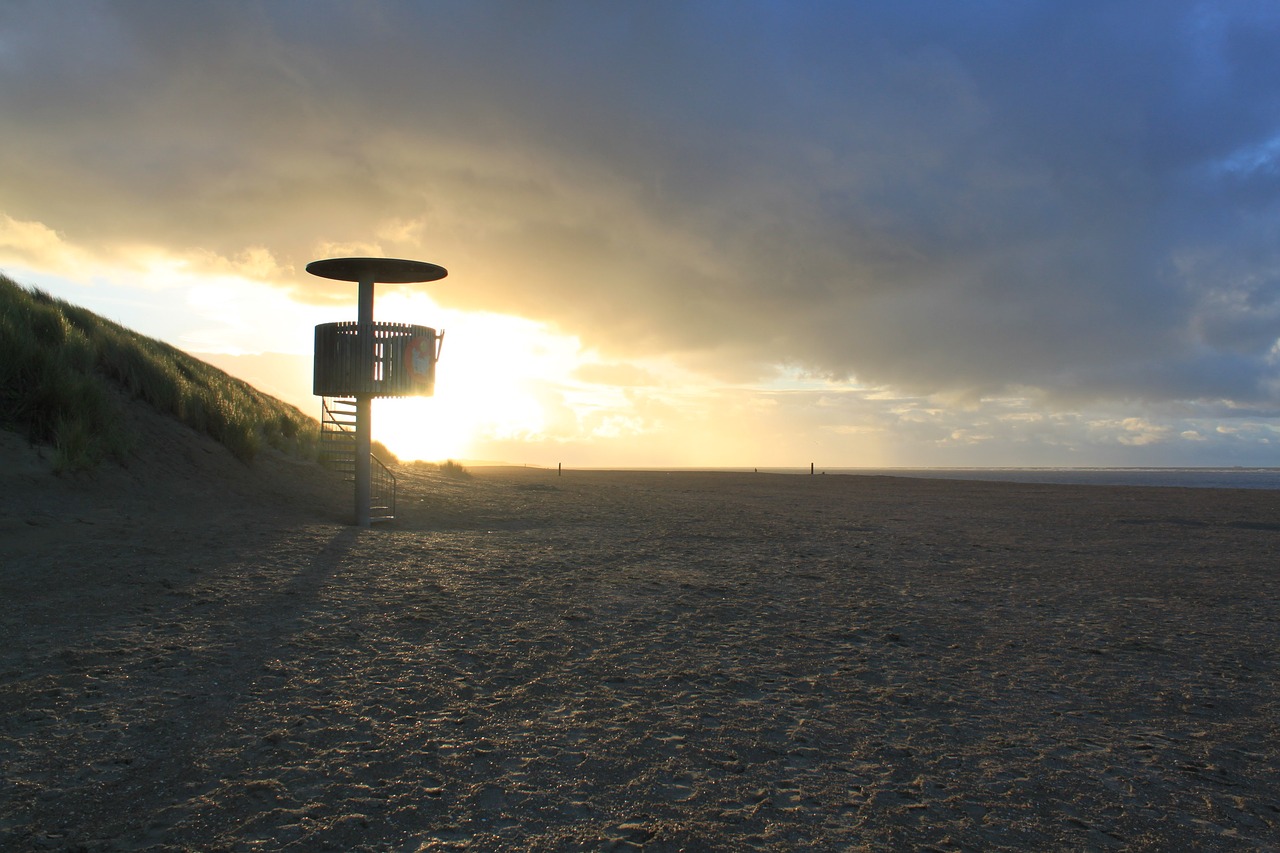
(449, 468)
(63, 368)
(383, 454)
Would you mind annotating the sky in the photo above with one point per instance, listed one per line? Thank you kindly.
(688, 233)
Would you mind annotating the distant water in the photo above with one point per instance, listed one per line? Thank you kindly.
(1201, 478)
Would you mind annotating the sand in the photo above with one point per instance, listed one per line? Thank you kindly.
(634, 661)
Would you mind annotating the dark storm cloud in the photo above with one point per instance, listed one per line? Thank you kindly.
(1075, 198)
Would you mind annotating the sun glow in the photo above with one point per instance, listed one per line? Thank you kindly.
(488, 379)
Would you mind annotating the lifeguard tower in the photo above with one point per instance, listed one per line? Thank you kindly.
(356, 362)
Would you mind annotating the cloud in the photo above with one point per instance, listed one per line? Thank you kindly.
(626, 375)
(36, 244)
(1080, 200)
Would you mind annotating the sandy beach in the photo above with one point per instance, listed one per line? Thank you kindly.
(632, 661)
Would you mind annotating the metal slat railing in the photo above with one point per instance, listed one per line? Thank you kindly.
(375, 360)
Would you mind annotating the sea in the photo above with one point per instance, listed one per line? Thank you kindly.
(1197, 478)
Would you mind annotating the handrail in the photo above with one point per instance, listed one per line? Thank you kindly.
(383, 476)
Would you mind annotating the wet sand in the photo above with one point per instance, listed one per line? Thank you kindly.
(638, 661)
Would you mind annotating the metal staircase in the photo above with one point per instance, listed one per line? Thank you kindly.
(338, 435)
(338, 453)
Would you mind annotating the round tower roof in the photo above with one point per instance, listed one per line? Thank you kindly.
(380, 270)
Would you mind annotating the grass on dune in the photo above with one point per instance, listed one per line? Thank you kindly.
(59, 363)
(449, 468)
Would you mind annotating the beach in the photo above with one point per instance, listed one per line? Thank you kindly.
(633, 660)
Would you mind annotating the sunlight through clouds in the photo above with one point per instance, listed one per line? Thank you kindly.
(486, 382)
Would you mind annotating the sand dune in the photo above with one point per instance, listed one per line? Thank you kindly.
(634, 661)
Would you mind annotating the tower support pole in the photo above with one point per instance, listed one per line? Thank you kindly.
(364, 303)
(364, 447)
(364, 409)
